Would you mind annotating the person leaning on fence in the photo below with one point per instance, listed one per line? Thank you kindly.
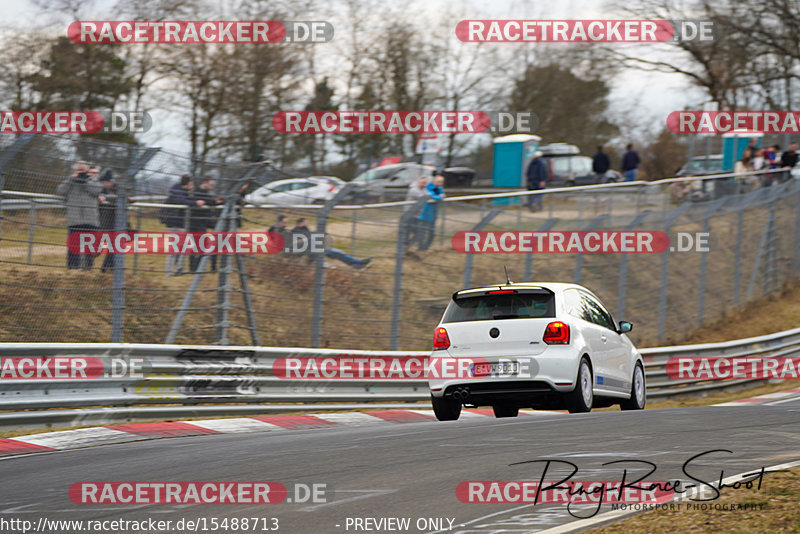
(427, 217)
(416, 191)
(179, 194)
(204, 217)
(788, 161)
(300, 239)
(80, 194)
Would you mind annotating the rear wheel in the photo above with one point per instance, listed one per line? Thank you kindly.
(580, 399)
(446, 409)
(638, 395)
(503, 410)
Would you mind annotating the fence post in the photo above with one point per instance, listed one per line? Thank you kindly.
(701, 289)
(796, 247)
(31, 228)
(477, 228)
(548, 224)
(319, 266)
(231, 197)
(138, 229)
(121, 225)
(662, 292)
(623, 268)
(406, 218)
(353, 234)
(442, 217)
(578, 275)
(5, 158)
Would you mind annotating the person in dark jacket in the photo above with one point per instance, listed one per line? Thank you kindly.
(108, 212)
(600, 165)
(204, 217)
(537, 179)
(80, 194)
(788, 160)
(179, 194)
(630, 163)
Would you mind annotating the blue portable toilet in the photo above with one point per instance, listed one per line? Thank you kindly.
(512, 153)
(733, 145)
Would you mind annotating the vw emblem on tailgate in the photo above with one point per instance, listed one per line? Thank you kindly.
(494, 332)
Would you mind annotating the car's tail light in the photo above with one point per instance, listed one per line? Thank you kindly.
(556, 333)
(332, 189)
(440, 339)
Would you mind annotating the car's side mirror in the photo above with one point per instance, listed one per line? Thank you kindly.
(625, 326)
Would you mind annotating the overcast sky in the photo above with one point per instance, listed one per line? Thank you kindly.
(650, 97)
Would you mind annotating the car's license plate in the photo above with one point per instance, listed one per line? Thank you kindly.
(496, 368)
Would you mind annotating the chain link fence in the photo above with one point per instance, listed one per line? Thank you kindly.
(337, 298)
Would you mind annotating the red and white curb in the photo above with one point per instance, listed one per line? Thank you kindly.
(763, 398)
(106, 435)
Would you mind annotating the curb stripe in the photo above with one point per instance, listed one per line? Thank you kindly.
(163, 430)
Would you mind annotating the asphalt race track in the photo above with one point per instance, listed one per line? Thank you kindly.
(408, 470)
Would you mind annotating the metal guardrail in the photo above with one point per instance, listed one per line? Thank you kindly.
(192, 381)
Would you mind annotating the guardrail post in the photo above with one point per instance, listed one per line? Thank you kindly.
(578, 275)
(31, 228)
(406, 219)
(477, 228)
(548, 224)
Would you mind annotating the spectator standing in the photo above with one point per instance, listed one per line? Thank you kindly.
(108, 212)
(301, 234)
(179, 194)
(427, 217)
(416, 191)
(788, 161)
(81, 194)
(537, 179)
(600, 165)
(743, 166)
(280, 227)
(630, 163)
(204, 218)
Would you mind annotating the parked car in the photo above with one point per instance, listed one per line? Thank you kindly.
(568, 168)
(389, 182)
(314, 189)
(702, 166)
(532, 345)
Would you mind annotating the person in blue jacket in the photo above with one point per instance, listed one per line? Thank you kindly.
(430, 211)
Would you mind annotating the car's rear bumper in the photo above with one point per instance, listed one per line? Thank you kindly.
(550, 373)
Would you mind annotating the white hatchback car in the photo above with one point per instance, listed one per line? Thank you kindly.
(296, 191)
(532, 345)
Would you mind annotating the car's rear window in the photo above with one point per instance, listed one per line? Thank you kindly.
(502, 306)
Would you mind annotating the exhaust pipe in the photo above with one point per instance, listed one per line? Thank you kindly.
(461, 394)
